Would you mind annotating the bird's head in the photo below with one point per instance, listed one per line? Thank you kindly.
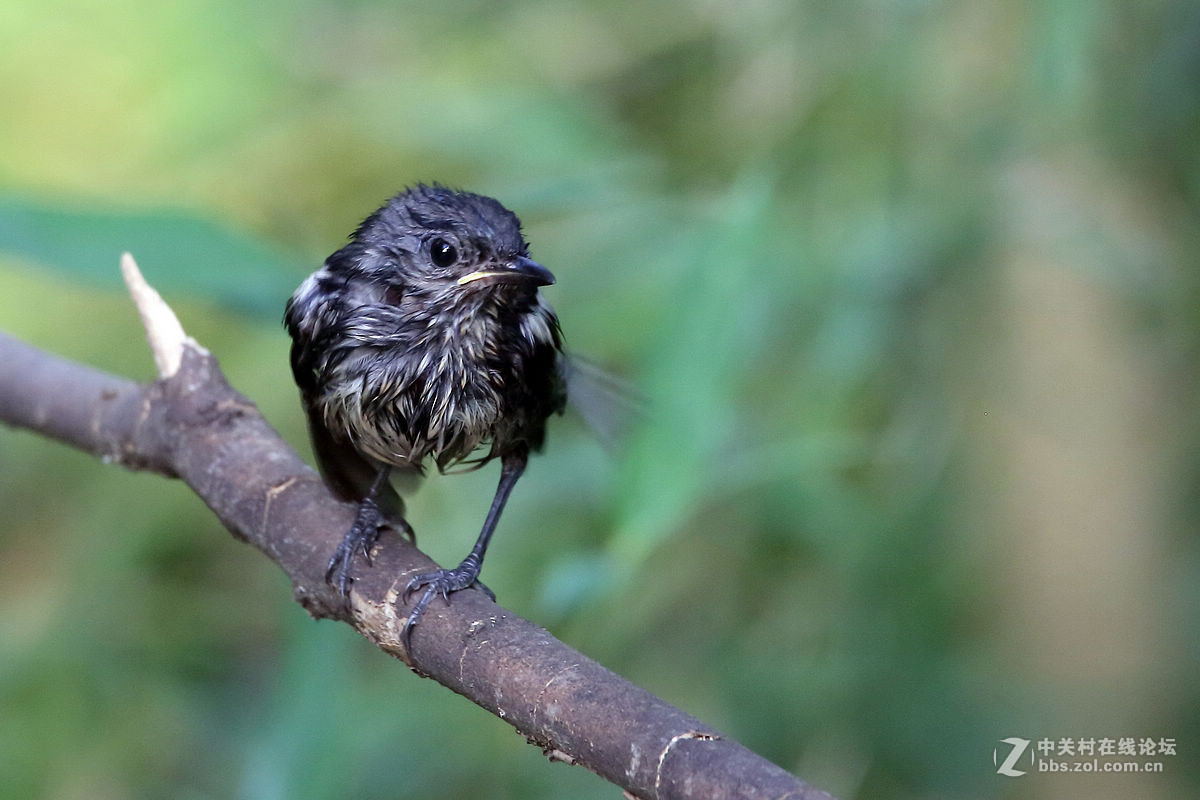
(431, 240)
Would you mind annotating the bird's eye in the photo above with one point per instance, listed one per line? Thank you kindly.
(442, 253)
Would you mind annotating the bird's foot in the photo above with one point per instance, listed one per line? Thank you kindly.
(443, 582)
(361, 538)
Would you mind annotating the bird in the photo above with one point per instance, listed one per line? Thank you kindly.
(425, 340)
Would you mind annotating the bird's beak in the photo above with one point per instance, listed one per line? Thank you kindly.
(521, 269)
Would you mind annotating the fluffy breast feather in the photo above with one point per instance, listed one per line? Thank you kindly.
(402, 384)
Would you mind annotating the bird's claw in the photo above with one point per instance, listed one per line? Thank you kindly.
(337, 573)
(361, 537)
(444, 582)
(405, 529)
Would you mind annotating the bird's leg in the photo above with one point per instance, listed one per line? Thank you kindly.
(361, 536)
(445, 581)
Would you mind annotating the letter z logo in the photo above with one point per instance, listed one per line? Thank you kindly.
(1018, 750)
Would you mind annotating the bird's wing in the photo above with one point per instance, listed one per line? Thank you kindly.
(610, 406)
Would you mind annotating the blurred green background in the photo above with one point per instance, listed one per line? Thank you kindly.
(910, 289)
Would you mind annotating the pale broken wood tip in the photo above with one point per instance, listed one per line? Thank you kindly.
(163, 330)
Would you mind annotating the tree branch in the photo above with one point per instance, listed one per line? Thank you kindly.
(194, 426)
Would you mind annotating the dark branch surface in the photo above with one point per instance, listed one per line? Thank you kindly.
(196, 427)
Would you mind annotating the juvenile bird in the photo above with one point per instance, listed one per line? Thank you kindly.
(425, 339)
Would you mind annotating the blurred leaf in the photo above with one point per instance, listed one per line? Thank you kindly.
(177, 250)
(693, 367)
